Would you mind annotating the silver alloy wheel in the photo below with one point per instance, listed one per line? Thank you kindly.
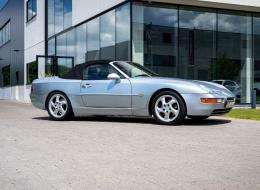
(58, 105)
(167, 108)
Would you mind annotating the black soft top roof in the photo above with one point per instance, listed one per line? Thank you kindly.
(76, 72)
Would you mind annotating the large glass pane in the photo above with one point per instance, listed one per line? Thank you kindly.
(81, 44)
(107, 35)
(66, 44)
(234, 53)
(1, 38)
(32, 72)
(197, 34)
(64, 65)
(155, 37)
(34, 7)
(257, 55)
(93, 40)
(70, 43)
(51, 47)
(8, 31)
(67, 13)
(61, 45)
(123, 32)
(29, 9)
(59, 19)
(4, 35)
(6, 75)
(51, 21)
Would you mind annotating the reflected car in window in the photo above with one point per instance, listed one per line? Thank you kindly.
(118, 88)
(232, 86)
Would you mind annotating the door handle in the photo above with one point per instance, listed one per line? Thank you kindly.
(86, 85)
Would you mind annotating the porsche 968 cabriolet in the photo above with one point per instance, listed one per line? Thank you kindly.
(120, 88)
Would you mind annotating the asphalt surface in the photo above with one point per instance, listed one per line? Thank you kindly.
(118, 153)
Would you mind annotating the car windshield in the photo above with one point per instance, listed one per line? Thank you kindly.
(134, 70)
(218, 81)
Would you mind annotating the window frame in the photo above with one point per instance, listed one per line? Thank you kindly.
(34, 5)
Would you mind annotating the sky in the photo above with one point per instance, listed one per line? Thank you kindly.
(2, 3)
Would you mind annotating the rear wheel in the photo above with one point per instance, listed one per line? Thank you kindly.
(198, 118)
(59, 107)
(168, 108)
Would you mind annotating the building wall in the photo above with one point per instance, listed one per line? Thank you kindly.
(13, 11)
(34, 36)
(28, 37)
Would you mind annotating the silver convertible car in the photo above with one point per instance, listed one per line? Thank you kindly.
(118, 88)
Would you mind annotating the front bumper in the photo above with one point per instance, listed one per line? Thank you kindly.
(196, 108)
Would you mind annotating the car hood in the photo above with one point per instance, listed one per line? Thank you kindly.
(214, 87)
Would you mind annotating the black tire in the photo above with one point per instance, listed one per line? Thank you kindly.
(69, 112)
(181, 106)
(198, 118)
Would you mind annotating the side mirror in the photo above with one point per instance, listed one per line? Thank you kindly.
(114, 76)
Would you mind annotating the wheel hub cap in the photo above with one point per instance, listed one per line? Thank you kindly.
(58, 105)
(167, 108)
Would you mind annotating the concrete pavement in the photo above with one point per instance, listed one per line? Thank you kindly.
(113, 153)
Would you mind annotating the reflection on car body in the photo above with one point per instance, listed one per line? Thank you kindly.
(119, 88)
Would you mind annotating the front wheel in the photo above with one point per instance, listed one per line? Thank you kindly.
(59, 107)
(168, 108)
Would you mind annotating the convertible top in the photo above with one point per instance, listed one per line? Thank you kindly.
(76, 72)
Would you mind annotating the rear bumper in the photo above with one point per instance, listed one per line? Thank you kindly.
(38, 101)
(196, 108)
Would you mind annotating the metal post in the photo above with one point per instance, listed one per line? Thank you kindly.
(253, 104)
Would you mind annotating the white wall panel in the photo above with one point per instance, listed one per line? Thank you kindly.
(34, 33)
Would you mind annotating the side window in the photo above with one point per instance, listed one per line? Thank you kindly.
(98, 72)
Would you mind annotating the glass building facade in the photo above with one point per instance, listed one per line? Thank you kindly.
(172, 40)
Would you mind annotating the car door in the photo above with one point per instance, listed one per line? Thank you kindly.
(103, 96)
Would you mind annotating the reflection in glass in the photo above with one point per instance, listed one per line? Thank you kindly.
(93, 40)
(70, 43)
(197, 32)
(123, 32)
(51, 47)
(107, 35)
(257, 55)
(155, 38)
(67, 13)
(59, 16)
(32, 72)
(81, 44)
(64, 65)
(58, 12)
(234, 53)
(51, 21)
(61, 45)
(66, 44)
